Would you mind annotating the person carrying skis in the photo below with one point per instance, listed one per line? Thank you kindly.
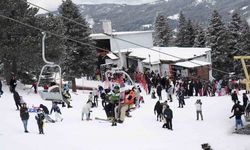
(39, 118)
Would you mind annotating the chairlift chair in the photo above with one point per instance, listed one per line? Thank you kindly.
(54, 93)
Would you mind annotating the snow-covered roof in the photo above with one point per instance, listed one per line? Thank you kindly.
(155, 55)
(112, 56)
(192, 63)
(103, 36)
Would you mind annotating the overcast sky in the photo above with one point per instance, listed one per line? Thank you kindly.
(53, 4)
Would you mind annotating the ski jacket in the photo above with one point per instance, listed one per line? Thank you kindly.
(129, 99)
(168, 114)
(24, 113)
(40, 116)
(86, 108)
(198, 106)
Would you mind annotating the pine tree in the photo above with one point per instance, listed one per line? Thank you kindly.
(190, 34)
(79, 59)
(15, 36)
(218, 41)
(182, 30)
(200, 37)
(162, 31)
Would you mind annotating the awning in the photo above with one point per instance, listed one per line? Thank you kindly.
(192, 63)
(112, 56)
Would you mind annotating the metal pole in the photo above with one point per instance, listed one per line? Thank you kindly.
(43, 50)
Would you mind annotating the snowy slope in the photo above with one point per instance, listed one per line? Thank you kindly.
(140, 132)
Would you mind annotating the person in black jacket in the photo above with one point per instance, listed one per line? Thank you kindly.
(237, 114)
(158, 91)
(1, 91)
(13, 84)
(46, 113)
(17, 99)
(168, 115)
(24, 114)
(39, 118)
(234, 97)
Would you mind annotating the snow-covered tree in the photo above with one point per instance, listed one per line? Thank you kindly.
(200, 37)
(190, 34)
(181, 31)
(79, 58)
(217, 37)
(162, 31)
(16, 39)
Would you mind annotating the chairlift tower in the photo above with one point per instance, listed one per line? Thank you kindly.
(243, 62)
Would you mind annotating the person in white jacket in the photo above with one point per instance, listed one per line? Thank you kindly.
(86, 109)
(198, 105)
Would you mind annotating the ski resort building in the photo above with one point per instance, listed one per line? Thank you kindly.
(135, 49)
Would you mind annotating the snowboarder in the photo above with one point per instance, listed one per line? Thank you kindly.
(39, 118)
(57, 112)
(24, 114)
(198, 105)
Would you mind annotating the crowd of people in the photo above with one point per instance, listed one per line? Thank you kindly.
(118, 101)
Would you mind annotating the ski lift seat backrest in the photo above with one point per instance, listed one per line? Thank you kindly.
(53, 94)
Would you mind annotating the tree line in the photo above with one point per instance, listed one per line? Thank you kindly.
(225, 39)
(21, 41)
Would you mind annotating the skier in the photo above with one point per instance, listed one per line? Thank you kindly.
(24, 114)
(13, 84)
(198, 105)
(153, 95)
(57, 112)
(66, 99)
(39, 118)
(17, 99)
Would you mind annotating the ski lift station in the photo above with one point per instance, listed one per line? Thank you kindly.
(134, 49)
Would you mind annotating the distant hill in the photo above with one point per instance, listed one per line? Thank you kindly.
(133, 17)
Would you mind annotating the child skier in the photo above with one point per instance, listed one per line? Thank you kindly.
(40, 117)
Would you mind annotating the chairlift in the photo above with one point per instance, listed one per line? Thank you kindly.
(48, 73)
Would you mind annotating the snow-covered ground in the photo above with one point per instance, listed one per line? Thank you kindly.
(140, 132)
